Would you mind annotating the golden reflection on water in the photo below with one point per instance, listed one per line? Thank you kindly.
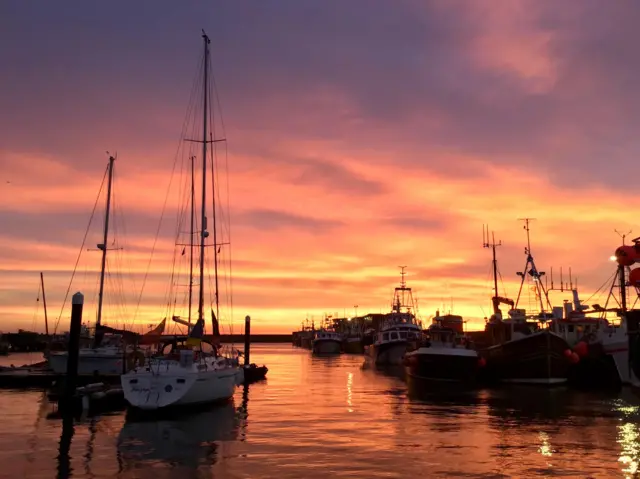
(349, 391)
(545, 447)
(628, 439)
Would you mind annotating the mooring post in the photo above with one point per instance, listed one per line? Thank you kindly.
(247, 340)
(74, 345)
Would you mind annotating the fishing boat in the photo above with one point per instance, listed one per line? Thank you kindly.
(326, 341)
(399, 330)
(445, 353)
(522, 349)
(190, 370)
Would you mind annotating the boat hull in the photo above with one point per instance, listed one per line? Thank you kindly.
(387, 354)
(534, 359)
(353, 346)
(604, 365)
(327, 346)
(152, 391)
(442, 364)
(90, 362)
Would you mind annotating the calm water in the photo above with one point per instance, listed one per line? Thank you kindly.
(328, 417)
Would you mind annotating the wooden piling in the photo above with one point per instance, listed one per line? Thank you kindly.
(74, 345)
(247, 340)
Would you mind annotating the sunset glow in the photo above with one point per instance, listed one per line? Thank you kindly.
(361, 136)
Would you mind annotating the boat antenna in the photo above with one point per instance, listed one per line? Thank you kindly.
(489, 241)
(623, 235)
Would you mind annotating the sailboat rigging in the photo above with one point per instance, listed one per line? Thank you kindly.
(190, 370)
(100, 359)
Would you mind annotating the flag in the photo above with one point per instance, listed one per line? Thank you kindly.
(195, 336)
(184, 250)
(215, 328)
(153, 335)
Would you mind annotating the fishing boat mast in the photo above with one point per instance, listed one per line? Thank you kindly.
(531, 270)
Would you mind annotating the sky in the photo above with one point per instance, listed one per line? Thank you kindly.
(361, 136)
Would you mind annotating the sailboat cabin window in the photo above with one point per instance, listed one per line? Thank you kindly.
(394, 335)
(570, 328)
(403, 335)
(385, 337)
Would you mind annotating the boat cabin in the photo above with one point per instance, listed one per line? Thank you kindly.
(327, 336)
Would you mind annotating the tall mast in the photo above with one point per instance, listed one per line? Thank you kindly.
(203, 218)
(193, 213)
(103, 245)
(44, 302)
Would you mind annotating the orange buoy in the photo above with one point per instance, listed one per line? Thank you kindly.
(626, 255)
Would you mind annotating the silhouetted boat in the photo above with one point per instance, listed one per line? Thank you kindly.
(521, 349)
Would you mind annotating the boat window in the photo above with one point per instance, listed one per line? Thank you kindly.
(571, 328)
(403, 335)
(394, 335)
(385, 337)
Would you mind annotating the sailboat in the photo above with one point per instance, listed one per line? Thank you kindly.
(105, 356)
(189, 369)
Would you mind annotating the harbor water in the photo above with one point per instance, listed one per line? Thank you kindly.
(319, 417)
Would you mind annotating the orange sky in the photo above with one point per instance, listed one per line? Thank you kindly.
(360, 138)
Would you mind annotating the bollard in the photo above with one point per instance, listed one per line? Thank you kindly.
(247, 340)
(74, 345)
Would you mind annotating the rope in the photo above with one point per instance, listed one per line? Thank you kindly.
(86, 233)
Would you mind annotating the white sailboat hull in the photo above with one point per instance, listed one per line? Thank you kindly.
(90, 362)
(161, 389)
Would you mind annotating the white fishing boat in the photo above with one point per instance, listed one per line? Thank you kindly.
(399, 331)
(190, 370)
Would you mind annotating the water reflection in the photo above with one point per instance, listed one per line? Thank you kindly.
(182, 439)
(328, 417)
(64, 459)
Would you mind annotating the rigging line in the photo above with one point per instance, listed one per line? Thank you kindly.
(86, 233)
(224, 135)
(35, 313)
(606, 283)
(166, 198)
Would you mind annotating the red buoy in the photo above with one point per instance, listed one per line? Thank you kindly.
(581, 349)
(482, 362)
(574, 358)
(626, 255)
(634, 277)
(567, 353)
